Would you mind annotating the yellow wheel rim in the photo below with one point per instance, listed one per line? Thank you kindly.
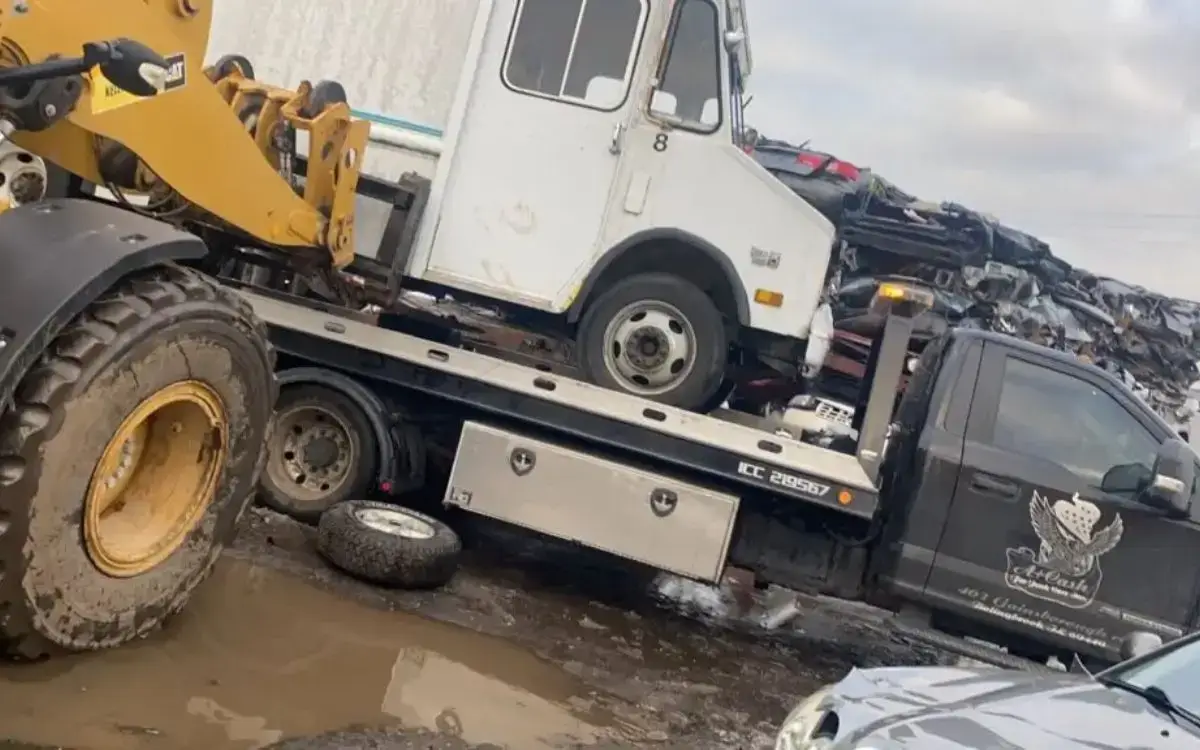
(156, 478)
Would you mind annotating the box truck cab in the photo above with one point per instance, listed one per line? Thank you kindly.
(595, 173)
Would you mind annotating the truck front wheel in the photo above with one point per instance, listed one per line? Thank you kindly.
(128, 453)
(657, 336)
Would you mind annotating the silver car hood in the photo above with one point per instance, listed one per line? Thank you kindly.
(936, 708)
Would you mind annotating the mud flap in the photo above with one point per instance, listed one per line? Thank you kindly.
(58, 256)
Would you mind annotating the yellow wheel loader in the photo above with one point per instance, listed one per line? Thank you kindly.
(135, 391)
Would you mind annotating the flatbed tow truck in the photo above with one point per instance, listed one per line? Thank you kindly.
(138, 390)
(943, 512)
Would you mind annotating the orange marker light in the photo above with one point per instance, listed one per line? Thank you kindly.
(768, 298)
(845, 498)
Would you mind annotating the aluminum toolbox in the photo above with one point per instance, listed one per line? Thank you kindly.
(636, 514)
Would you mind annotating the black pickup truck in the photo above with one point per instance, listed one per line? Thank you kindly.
(1026, 498)
(1012, 494)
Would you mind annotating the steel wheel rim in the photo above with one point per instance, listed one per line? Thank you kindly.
(24, 176)
(301, 433)
(630, 361)
(395, 522)
(155, 479)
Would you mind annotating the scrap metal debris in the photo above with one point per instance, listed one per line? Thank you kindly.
(989, 275)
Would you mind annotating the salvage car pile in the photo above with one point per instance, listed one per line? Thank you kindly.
(988, 275)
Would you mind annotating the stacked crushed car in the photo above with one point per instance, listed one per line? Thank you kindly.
(987, 275)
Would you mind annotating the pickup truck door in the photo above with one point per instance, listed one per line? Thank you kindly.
(533, 158)
(1031, 542)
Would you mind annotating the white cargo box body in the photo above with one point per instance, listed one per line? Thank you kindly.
(639, 515)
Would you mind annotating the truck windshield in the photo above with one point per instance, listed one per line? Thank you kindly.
(689, 92)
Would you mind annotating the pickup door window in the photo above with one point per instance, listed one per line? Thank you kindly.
(1033, 538)
(1046, 414)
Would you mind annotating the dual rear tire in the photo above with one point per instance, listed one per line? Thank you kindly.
(323, 451)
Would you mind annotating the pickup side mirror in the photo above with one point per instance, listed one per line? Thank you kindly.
(1170, 486)
(1127, 479)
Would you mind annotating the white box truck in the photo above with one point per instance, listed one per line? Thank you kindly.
(584, 175)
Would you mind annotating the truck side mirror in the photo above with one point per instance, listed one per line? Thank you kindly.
(734, 38)
(1127, 479)
(1170, 486)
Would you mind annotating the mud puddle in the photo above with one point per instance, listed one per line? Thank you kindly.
(259, 656)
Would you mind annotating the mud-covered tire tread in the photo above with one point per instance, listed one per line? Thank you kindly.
(387, 559)
(29, 422)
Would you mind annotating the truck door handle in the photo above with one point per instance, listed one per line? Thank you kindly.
(994, 486)
(614, 148)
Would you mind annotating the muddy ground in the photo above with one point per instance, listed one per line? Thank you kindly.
(532, 645)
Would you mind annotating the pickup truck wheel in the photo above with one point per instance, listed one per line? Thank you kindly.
(322, 451)
(126, 458)
(389, 545)
(658, 336)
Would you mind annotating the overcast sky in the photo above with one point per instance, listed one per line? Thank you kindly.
(1075, 120)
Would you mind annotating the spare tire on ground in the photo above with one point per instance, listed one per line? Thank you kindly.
(388, 545)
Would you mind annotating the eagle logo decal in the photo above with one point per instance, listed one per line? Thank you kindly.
(1065, 568)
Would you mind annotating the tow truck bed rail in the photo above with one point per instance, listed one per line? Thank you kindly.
(737, 454)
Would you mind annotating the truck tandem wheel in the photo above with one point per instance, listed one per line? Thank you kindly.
(130, 450)
(388, 545)
(657, 336)
(322, 451)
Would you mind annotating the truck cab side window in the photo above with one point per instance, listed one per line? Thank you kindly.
(1049, 415)
(689, 90)
(581, 51)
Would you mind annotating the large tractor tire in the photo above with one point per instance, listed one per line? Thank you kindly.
(129, 452)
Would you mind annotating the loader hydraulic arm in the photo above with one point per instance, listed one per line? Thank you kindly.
(215, 148)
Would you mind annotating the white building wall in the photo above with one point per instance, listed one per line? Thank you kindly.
(396, 58)
(399, 60)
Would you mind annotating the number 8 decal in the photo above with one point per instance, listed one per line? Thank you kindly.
(660, 142)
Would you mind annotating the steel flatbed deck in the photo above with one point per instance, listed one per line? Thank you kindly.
(735, 454)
